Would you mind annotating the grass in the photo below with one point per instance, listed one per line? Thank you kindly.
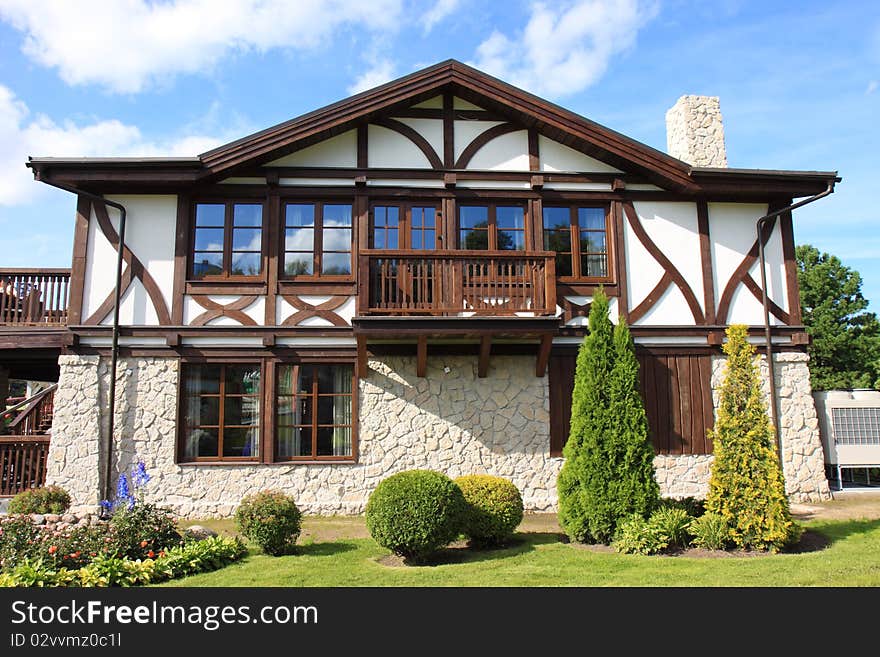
(537, 557)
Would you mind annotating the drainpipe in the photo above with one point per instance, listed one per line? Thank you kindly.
(759, 227)
(114, 349)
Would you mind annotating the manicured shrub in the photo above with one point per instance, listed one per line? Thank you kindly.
(746, 486)
(415, 513)
(50, 499)
(673, 524)
(710, 531)
(270, 519)
(608, 472)
(142, 529)
(200, 556)
(494, 508)
(635, 535)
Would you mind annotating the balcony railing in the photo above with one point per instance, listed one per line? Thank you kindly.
(457, 283)
(34, 297)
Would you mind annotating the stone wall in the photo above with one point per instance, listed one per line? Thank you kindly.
(695, 131)
(802, 455)
(450, 420)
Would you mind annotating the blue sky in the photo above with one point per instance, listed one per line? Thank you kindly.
(799, 84)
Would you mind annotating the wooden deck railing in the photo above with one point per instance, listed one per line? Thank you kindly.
(22, 463)
(34, 297)
(34, 416)
(457, 283)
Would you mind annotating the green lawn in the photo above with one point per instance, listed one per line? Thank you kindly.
(538, 558)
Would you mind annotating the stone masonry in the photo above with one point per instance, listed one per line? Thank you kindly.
(450, 420)
(695, 131)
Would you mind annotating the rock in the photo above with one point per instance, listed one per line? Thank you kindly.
(198, 532)
(69, 518)
(38, 518)
(53, 517)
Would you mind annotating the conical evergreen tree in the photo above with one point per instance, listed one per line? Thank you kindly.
(746, 486)
(608, 471)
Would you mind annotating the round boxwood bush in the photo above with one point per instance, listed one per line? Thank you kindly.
(416, 512)
(270, 519)
(51, 499)
(494, 508)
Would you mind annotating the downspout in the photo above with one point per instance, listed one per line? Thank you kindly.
(759, 227)
(114, 348)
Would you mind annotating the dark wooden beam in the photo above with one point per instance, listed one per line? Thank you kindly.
(534, 154)
(543, 355)
(791, 272)
(706, 260)
(78, 265)
(422, 356)
(485, 349)
(363, 370)
(448, 131)
(362, 152)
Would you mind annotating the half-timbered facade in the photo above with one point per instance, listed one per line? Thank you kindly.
(401, 280)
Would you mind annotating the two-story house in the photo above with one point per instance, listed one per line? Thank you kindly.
(401, 280)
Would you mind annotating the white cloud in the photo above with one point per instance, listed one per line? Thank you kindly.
(380, 72)
(23, 133)
(565, 46)
(872, 87)
(440, 10)
(127, 44)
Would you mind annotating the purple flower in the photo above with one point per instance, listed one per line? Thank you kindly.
(139, 475)
(107, 505)
(123, 492)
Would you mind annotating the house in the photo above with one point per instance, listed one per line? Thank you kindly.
(401, 280)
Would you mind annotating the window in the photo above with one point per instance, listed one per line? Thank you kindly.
(221, 412)
(404, 226)
(314, 412)
(227, 240)
(317, 239)
(492, 227)
(579, 236)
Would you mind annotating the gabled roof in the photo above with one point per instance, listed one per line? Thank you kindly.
(500, 98)
(472, 85)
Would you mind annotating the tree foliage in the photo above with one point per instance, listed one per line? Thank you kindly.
(845, 349)
(746, 486)
(608, 472)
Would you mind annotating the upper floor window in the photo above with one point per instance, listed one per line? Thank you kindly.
(227, 240)
(404, 226)
(317, 239)
(579, 236)
(492, 227)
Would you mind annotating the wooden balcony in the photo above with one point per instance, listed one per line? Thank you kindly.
(34, 297)
(457, 283)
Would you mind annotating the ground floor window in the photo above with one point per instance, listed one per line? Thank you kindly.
(221, 411)
(267, 410)
(314, 411)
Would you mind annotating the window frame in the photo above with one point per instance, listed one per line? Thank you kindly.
(314, 457)
(492, 225)
(228, 225)
(317, 240)
(575, 241)
(404, 223)
(182, 407)
(267, 440)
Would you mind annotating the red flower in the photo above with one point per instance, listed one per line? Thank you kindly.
(53, 549)
(151, 554)
(143, 544)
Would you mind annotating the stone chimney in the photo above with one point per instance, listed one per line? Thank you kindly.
(695, 132)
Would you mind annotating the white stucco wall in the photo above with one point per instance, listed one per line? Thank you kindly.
(389, 149)
(149, 233)
(256, 310)
(467, 131)
(283, 309)
(732, 230)
(508, 152)
(338, 151)
(559, 157)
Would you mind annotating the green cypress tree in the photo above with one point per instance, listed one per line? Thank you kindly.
(746, 487)
(608, 470)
